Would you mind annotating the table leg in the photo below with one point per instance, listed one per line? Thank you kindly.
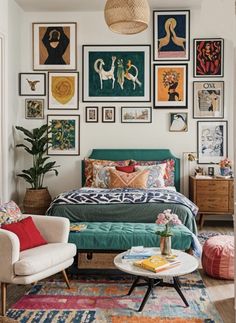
(178, 290)
(133, 285)
(150, 287)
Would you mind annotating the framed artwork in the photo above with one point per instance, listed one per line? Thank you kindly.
(63, 90)
(208, 57)
(64, 134)
(34, 108)
(171, 34)
(54, 46)
(212, 141)
(91, 114)
(32, 84)
(179, 122)
(170, 86)
(116, 73)
(208, 100)
(108, 114)
(136, 114)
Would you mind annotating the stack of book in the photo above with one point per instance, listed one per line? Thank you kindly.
(78, 227)
(138, 252)
(158, 263)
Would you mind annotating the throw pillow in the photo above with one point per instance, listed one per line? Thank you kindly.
(28, 234)
(156, 175)
(101, 176)
(9, 213)
(126, 169)
(132, 180)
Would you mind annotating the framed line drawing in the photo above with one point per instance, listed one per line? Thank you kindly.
(116, 73)
(171, 34)
(63, 90)
(208, 99)
(32, 84)
(136, 114)
(212, 141)
(34, 108)
(208, 57)
(170, 85)
(108, 114)
(91, 114)
(178, 122)
(54, 46)
(64, 134)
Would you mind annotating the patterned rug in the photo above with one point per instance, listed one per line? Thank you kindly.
(203, 236)
(103, 300)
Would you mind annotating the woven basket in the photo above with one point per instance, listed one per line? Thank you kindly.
(127, 16)
(36, 201)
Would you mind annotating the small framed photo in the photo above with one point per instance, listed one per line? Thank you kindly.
(211, 171)
(54, 46)
(32, 84)
(91, 114)
(179, 122)
(108, 114)
(64, 135)
(136, 114)
(63, 90)
(212, 141)
(208, 100)
(34, 108)
(208, 57)
(171, 35)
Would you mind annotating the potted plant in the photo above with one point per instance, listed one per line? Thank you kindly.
(37, 198)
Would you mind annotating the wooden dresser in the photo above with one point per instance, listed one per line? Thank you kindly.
(212, 196)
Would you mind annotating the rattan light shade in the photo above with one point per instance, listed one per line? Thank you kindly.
(127, 16)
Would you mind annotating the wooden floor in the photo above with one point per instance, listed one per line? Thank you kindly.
(221, 292)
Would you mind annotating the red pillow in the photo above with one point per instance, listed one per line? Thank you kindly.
(126, 169)
(27, 233)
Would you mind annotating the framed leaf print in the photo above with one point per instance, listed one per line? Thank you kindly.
(34, 108)
(63, 88)
(208, 57)
(32, 84)
(212, 141)
(208, 100)
(171, 30)
(179, 122)
(91, 114)
(54, 46)
(64, 134)
(116, 73)
(136, 114)
(108, 114)
(170, 86)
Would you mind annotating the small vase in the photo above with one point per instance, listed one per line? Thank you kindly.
(165, 245)
(225, 171)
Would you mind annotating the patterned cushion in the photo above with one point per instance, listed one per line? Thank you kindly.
(89, 164)
(132, 180)
(9, 213)
(156, 175)
(218, 257)
(101, 176)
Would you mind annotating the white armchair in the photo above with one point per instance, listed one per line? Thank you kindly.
(34, 264)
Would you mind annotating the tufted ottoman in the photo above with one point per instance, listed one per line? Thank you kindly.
(218, 257)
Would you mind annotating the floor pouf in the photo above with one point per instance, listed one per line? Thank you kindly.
(218, 257)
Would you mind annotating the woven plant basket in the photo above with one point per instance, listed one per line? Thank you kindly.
(36, 201)
(127, 16)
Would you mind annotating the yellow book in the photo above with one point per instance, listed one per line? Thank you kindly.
(157, 263)
(78, 227)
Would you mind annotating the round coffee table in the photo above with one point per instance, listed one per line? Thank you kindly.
(187, 265)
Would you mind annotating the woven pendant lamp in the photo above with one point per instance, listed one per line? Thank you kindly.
(127, 16)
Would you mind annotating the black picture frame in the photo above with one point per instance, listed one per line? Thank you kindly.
(132, 115)
(178, 122)
(108, 114)
(26, 88)
(32, 111)
(87, 112)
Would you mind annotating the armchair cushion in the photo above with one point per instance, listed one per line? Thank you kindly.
(9, 213)
(28, 234)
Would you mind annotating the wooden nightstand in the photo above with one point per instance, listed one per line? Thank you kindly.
(212, 196)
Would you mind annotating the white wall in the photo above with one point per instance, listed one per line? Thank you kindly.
(214, 19)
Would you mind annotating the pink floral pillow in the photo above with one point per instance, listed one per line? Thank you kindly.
(9, 213)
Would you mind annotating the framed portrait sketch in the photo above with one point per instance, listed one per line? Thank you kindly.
(108, 114)
(171, 30)
(32, 84)
(212, 141)
(208, 100)
(63, 90)
(91, 114)
(34, 108)
(136, 114)
(116, 73)
(54, 46)
(64, 134)
(179, 122)
(208, 57)
(170, 85)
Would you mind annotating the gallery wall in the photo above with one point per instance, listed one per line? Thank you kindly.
(206, 21)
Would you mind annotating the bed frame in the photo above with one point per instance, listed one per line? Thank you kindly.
(136, 154)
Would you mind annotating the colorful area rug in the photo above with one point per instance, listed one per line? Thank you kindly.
(203, 236)
(104, 300)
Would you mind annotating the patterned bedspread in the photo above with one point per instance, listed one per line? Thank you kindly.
(123, 196)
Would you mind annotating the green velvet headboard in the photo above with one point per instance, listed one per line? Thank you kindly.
(137, 154)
